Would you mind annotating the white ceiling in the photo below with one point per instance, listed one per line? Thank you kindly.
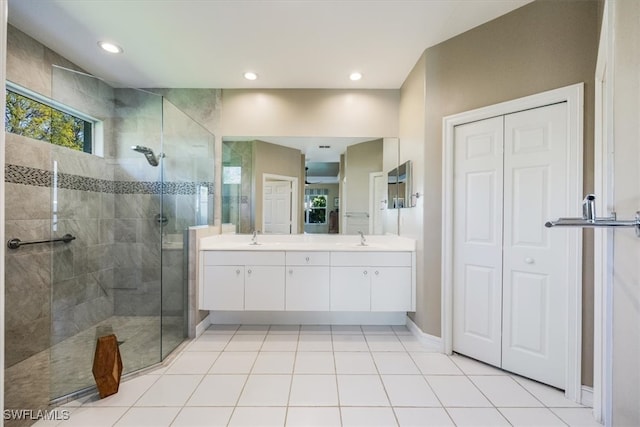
(315, 149)
(289, 43)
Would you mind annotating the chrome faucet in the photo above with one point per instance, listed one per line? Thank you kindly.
(363, 241)
(254, 238)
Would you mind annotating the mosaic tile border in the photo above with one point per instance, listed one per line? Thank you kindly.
(16, 174)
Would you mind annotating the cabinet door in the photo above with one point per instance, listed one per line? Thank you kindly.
(390, 288)
(264, 287)
(223, 288)
(350, 289)
(307, 288)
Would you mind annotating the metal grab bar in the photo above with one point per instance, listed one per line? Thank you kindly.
(590, 220)
(598, 222)
(16, 243)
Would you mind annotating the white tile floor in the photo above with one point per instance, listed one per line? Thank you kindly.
(324, 376)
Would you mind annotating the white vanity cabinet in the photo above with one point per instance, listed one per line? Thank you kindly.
(307, 281)
(372, 281)
(243, 280)
(350, 289)
(224, 287)
(308, 276)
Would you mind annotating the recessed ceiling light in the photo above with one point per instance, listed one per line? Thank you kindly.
(355, 76)
(250, 75)
(110, 47)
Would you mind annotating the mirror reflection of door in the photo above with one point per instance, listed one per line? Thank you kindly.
(335, 193)
(277, 206)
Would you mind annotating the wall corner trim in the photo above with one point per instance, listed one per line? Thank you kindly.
(427, 340)
(203, 325)
(586, 397)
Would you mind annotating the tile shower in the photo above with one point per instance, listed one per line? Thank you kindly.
(125, 272)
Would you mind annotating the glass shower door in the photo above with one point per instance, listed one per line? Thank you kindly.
(107, 280)
(187, 200)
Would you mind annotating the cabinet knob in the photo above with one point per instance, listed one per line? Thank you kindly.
(307, 259)
(290, 271)
(529, 260)
(249, 271)
(377, 272)
(365, 272)
(238, 271)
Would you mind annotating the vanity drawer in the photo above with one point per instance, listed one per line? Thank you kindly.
(243, 258)
(370, 258)
(307, 258)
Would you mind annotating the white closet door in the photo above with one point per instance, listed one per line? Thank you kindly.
(535, 259)
(477, 240)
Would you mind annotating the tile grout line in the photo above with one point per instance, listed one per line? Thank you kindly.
(233, 411)
(335, 369)
(184, 405)
(384, 388)
(510, 376)
(444, 408)
(293, 370)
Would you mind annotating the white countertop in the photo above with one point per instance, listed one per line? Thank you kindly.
(306, 242)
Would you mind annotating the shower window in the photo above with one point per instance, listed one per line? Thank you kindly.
(34, 116)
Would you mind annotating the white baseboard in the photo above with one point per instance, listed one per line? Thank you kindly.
(429, 341)
(306, 318)
(586, 396)
(203, 325)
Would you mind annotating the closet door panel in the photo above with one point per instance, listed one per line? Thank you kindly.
(535, 258)
(477, 240)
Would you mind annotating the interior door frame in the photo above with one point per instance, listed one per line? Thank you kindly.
(573, 95)
(603, 239)
(372, 201)
(295, 202)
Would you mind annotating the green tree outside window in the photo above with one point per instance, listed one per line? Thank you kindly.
(27, 117)
(317, 211)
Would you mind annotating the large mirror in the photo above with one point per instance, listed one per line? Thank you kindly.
(291, 185)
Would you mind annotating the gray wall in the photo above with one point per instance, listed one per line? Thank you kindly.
(359, 161)
(541, 46)
(273, 159)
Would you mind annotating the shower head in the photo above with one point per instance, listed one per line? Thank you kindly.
(148, 153)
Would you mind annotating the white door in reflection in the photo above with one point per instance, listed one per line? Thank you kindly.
(276, 209)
